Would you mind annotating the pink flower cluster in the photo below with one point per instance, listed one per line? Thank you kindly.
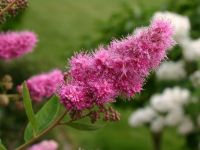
(16, 44)
(45, 145)
(118, 69)
(44, 85)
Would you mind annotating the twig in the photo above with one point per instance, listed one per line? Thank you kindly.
(24, 146)
(70, 121)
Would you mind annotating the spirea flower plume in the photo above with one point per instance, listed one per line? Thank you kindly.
(16, 44)
(45, 145)
(44, 85)
(118, 69)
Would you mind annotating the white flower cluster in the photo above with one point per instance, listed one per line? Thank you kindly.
(170, 99)
(170, 70)
(191, 48)
(165, 109)
(141, 116)
(195, 78)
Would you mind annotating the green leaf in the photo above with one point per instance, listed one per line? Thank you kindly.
(44, 117)
(2, 147)
(84, 126)
(29, 108)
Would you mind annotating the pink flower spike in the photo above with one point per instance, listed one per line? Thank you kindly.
(16, 44)
(118, 69)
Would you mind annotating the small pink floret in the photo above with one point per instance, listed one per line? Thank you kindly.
(45, 145)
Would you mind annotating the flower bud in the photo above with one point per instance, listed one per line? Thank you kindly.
(7, 78)
(94, 116)
(4, 101)
(21, 4)
(8, 85)
(106, 116)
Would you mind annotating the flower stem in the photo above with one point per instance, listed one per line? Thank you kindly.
(22, 147)
(56, 123)
(70, 121)
(7, 7)
(157, 139)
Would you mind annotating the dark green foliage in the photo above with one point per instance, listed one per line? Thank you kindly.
(2, 147)
(192, 141)
(12, 126)
(12, 23)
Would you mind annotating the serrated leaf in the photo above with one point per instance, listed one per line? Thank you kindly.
(2, 147)
(28, 108)
(44, 117)
(84, 126)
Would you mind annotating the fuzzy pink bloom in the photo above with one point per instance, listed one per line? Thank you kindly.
(45, 145)
(118, 69)
(16, 44)
(78, 96)
(44, 85)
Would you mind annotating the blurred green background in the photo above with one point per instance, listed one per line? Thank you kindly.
(68, 26)
(61, 27)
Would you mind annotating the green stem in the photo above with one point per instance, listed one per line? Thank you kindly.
(7, 7)
(70, 121)
(57, 122)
